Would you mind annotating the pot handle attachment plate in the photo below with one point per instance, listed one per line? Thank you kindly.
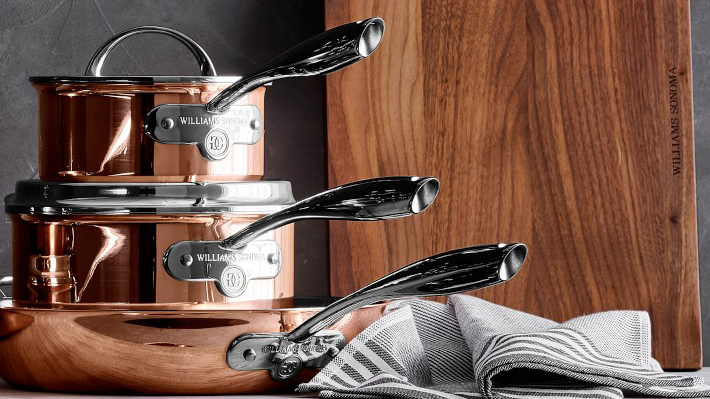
(461, 270)
(213, 134)
(231, 271)
(366, 200)
(5, 281)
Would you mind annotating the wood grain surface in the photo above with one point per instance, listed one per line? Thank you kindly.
(564, 125)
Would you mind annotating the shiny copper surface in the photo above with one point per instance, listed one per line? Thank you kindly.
(149, 352)
(94, 133)
(118, 259)
(50, 278)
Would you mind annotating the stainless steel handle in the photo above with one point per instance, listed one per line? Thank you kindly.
(461, 270)
(242, 124)
(321, 54)
(366, 200)
(374, 199)
(5, 280)
(97, 61)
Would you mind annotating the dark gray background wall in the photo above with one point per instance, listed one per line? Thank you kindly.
(43, 37)
(51, 37)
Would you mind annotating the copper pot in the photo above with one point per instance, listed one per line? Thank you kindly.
(145, 350)
(93, 128)
(93, 243)
(96, 128)
(168, 243)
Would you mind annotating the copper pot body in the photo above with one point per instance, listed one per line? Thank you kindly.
(93, 132)
(89, 259)
(147, 352)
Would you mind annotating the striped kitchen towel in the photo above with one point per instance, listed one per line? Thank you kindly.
(470, 348)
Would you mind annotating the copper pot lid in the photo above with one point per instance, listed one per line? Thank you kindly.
(93, 70)
(54, 198)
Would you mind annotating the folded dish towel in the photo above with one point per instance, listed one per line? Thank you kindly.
(471, 348)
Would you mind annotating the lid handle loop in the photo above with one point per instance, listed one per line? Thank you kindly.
(97, 61)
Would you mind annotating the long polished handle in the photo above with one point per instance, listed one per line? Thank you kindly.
(447, 273)
(97, 61)
(321, 54)
(374, 199)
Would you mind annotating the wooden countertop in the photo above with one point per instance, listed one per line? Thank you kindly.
(8, 392)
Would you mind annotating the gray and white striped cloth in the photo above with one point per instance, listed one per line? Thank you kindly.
(470, 348)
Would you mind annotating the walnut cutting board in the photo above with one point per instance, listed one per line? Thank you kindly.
(564, 125)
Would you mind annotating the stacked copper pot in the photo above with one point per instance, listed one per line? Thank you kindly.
(150, 256)
(130, 165)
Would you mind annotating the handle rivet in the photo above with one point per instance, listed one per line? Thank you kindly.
(249, 355)
(186, 259)
(255, 124)
(167, 123)
(273, 258)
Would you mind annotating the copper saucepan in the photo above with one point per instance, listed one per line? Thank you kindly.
(131, 349)
(96, 128)
(177, 244)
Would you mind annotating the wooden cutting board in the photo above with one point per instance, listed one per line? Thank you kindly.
(564, 125)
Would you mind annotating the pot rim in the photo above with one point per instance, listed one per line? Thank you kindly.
(133, 79)
(164, 308)
(58, 198)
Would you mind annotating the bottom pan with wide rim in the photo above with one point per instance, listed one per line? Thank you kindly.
(145, 351)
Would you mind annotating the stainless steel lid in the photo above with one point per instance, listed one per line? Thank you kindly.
(48, 198)
(93, 70)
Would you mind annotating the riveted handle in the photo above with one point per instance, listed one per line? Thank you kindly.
(465, 269)
(97, 61)
(366, 200)
(448, 273)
